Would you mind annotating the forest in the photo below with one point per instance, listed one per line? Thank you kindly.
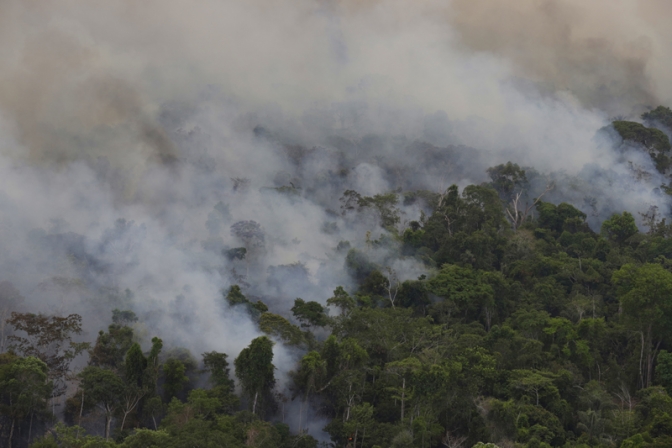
(335, 224)
(529, 329)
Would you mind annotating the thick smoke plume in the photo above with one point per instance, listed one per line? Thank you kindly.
(133, 135)
(610, 55)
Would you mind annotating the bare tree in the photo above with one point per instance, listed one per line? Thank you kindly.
(447, 216)
(451, 441)
(130, 400)
(517, 213)
(391, 285)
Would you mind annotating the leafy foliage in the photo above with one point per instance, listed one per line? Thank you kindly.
(540, 334)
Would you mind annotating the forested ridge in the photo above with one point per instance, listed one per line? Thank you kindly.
(529, 329)
(335, 224)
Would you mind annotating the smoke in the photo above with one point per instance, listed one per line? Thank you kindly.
(601, 51)
(133, 135)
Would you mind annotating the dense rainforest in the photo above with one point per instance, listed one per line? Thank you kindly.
(528, 328)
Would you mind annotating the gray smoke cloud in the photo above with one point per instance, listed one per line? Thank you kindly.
(124, 125)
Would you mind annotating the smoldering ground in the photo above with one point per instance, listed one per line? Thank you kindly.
(134, 135)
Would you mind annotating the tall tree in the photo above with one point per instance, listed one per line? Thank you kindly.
(153, 366)
(255, 369)
(465, 288)
(278, 327)
(174, 378)
(24, 389)
(341, 300)
(106, 389)
(309, 378)
(310, 314)
(223, 386)
(50, 339)
(135, 366)
(619, 227)
(218, 366)
(111, 347)
(645, 295)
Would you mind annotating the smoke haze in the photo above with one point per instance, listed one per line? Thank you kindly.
(124, 124)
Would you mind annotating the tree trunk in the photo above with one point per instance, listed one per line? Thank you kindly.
(11, 434)
(403, 396)
(350, 398)
(30, 427)
(653, 352)
(108, 422)
(300, 417)
(648, 356)
(123, 420)
(81, 411)
(641, 360)
(354, 443)
(254, 405)
(488, 318)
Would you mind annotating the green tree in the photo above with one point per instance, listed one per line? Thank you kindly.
(310, 377)
(235, 296)
(595, 409)
(361, 419)
(135, 365)
(383, 204)
(218, 367)
(403, 440)
(279, 327)
(152, 405)
(535, 385)
(310, 314)
(174, 378)
(62, 436)
(560, 217)
(403, 369)
(664, 370)
(153, 366)
(660, 114)
(50, 339)
(465, 288)
(255, 370)
(341, 300)
(111, 347)
(223, 386)
(146, 438)
(645, 294)
(24, 389)
(650, 138)
(619, 227)
(507, 179)
(106, 389)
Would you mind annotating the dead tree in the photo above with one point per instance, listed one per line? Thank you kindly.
(515, 211)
